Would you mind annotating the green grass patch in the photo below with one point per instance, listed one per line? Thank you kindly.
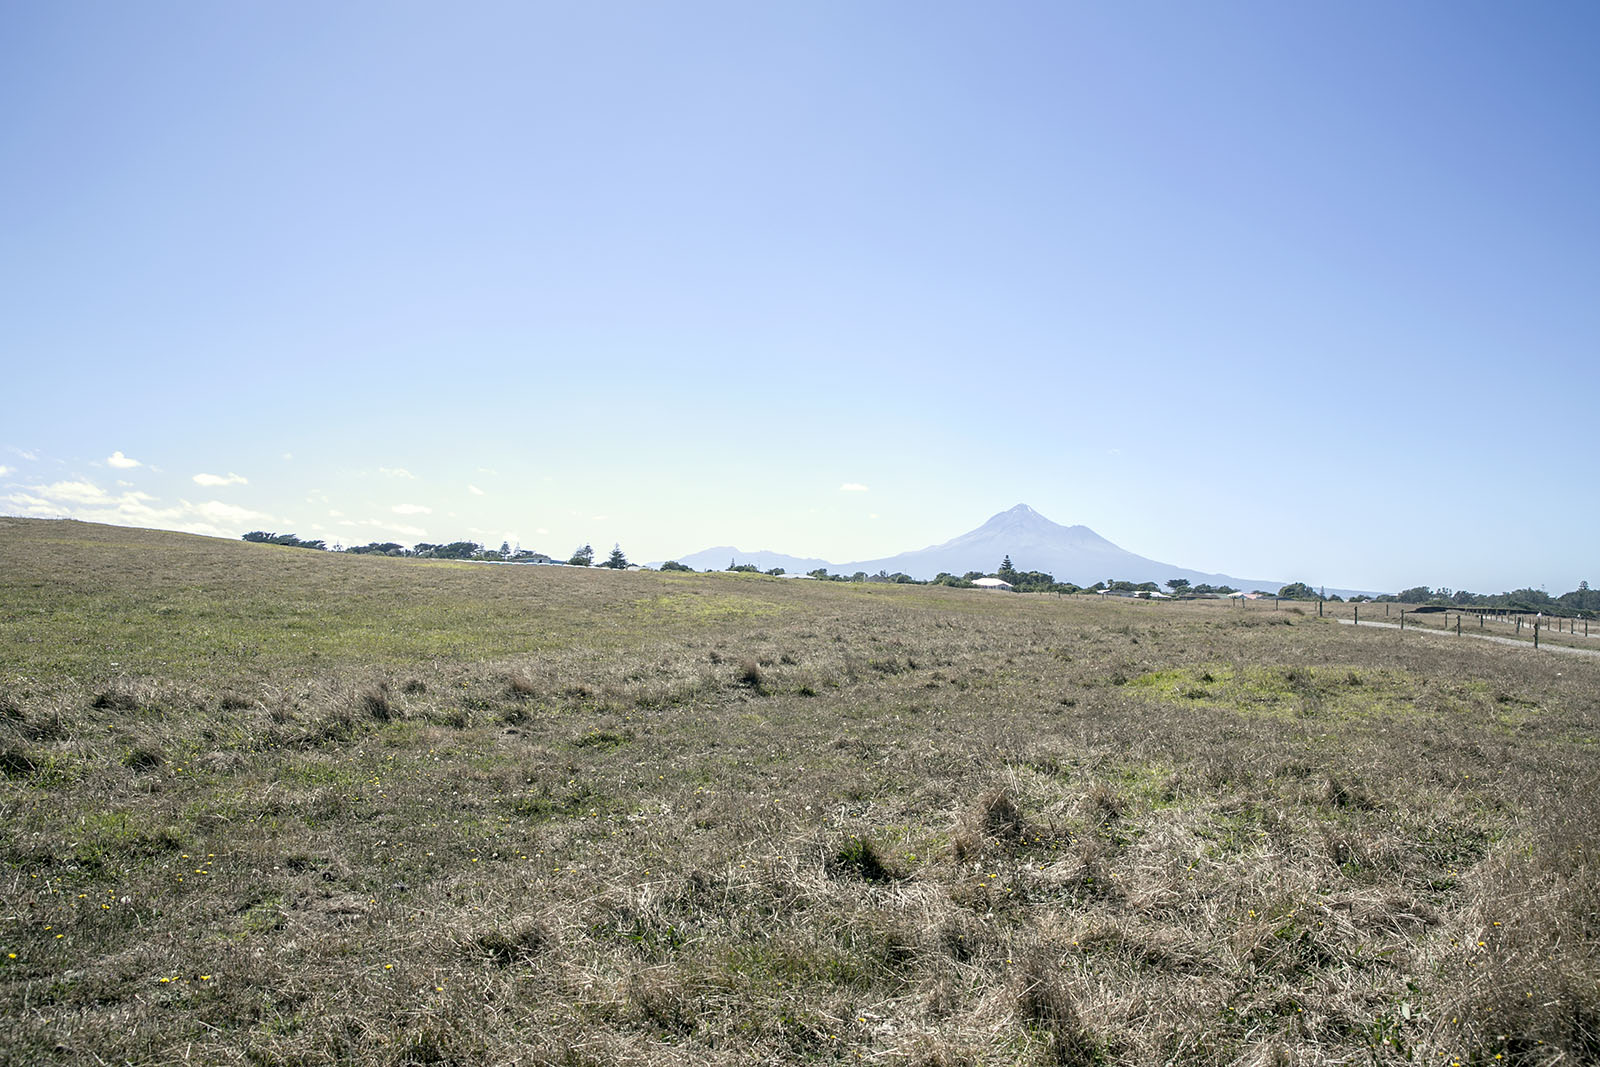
(1324, 692)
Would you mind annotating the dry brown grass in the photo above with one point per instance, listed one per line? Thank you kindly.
(268, 806)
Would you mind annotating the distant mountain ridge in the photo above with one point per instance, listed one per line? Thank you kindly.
(1071, 553)
(719, 558)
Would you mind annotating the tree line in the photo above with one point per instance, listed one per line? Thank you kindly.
(467, 550)
(1583, 601)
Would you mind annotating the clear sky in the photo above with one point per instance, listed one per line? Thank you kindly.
(1298, 290)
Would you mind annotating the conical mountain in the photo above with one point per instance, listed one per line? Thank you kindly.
(1071, 553)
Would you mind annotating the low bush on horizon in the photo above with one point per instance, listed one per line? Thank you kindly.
(275, 807)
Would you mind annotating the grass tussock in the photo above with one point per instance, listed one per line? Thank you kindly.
(941, 835)
(375, 703)
(518, 941)
(859, 857)
(750, 675)
(1045, 1004)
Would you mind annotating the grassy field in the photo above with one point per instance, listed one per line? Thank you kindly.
(271, 806)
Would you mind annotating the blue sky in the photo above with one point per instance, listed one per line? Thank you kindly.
(1263, 288)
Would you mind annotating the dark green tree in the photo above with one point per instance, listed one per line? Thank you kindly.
(616, 561)
(584, 557)
(1178, 585)
(288, 540)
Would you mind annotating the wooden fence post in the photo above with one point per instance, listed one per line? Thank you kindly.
(1402, 622)
(1358, 615)
(1535, 633)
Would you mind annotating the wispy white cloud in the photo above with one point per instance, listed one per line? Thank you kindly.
(411, 509)
(386, 526)
(4, 470)
(26, 453)
(474, 490)
(79, 492)
(82, 499)
(121, 462)
(221, 479)
(218, 512)
(852, 487)
(396, 472)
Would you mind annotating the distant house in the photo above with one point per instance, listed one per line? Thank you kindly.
(993, 583)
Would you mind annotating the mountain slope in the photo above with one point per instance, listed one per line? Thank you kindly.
(1071, 553)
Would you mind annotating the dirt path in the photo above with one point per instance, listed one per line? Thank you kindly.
(1546, 647)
